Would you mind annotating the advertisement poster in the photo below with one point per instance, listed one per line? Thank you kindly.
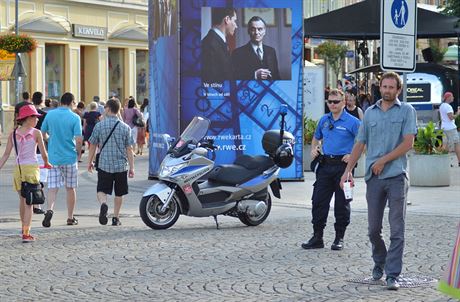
(239, 62)
(163, 79)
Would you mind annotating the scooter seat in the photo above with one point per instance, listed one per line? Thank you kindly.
(245, 168)
(259, 162)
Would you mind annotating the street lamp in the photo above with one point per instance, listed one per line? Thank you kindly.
(18, 67)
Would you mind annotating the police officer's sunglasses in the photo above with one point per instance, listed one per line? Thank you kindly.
(333, 102)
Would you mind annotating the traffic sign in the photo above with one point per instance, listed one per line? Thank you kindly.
(398, 32)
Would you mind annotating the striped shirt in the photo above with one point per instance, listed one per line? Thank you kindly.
(113, 157)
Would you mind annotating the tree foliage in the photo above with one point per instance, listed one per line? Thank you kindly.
(452, 8)
(437, 51)
(333, 53)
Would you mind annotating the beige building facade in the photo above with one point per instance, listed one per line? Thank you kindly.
(85, 47)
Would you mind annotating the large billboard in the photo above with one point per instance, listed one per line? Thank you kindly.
(163, 78)
(240, 61)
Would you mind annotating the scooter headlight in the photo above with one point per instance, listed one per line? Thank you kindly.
(166, 171)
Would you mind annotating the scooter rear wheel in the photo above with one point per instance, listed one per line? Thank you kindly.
(153, 217)
(253, 221)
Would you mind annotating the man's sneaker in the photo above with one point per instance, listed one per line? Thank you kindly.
(377, 272)
(314, 243)
(72, 221)
(27, 238)
(38, 211)
(103, 214)
(392, 284)
(47, 220)
(337, 245)
(116, 221)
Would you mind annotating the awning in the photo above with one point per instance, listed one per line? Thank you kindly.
(365, 23)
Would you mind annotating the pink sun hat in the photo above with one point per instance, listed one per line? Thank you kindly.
(26, 111)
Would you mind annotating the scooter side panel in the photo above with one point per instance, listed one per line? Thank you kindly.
(260, 182)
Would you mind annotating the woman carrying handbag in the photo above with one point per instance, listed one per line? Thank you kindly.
(26, 139)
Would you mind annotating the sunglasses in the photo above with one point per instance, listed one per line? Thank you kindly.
(333, 102)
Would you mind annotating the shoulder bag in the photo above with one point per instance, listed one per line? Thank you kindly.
(33, 193)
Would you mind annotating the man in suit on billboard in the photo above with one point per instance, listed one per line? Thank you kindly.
(255, 61)
(216, 65)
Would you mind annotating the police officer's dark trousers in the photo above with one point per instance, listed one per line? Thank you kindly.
(328, 183)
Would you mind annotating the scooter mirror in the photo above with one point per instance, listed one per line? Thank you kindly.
(283, 109)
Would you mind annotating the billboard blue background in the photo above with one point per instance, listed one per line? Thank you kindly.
(241, 111)
(163, 83)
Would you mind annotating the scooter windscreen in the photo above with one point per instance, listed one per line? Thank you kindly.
(194, 133)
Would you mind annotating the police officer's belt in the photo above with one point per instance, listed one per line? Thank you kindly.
(333, 159)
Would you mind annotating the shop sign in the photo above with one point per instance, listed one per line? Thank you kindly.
(90, 32)
(7, 61)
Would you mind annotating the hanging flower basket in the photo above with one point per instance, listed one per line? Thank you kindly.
(15, 44)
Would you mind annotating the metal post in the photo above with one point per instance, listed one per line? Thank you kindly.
(16, 28)
(404, 87)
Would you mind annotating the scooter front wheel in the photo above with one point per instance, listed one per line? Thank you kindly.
(256, 220)
(154, 217)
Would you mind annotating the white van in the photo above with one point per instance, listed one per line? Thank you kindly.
(424, 93)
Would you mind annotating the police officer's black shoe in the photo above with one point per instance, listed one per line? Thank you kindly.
(377, 272)
(337, 245)
(315, 242)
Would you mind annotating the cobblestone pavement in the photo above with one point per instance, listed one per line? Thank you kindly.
(195, 262)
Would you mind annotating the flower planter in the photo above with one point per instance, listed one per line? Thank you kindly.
(429, 170)
(306, 157)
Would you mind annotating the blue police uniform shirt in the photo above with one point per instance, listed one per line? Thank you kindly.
(338, 136)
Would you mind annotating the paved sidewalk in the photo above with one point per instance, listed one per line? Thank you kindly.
(195, 262)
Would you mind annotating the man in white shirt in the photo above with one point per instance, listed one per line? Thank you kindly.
(451, 139)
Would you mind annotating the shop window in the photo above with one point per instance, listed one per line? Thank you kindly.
(142, 88)
(54, 71)
(116, 71)
(25, 81)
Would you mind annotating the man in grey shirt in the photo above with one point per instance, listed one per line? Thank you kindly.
(387, 132)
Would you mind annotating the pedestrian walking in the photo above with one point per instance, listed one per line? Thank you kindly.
(451, 140)
(387, 133)
(37, 101)
(116, 160)
(142, 131)
(90, 119)
(336, 132)
(129, 113)
(100, 107)
(352, 106)
(25, 139)
(64, 145)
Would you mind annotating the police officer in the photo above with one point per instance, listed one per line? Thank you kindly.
(336, 133)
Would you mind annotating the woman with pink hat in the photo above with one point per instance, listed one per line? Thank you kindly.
(27, 139)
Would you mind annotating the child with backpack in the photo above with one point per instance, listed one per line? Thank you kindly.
(26, 139)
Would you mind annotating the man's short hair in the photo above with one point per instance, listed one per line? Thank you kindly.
(113, 105)
(96, 99)
(219, 13)
(25, 95)
(392, 75)
(336, 92)
(255, 19)
(37, 98)
(67, 99)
